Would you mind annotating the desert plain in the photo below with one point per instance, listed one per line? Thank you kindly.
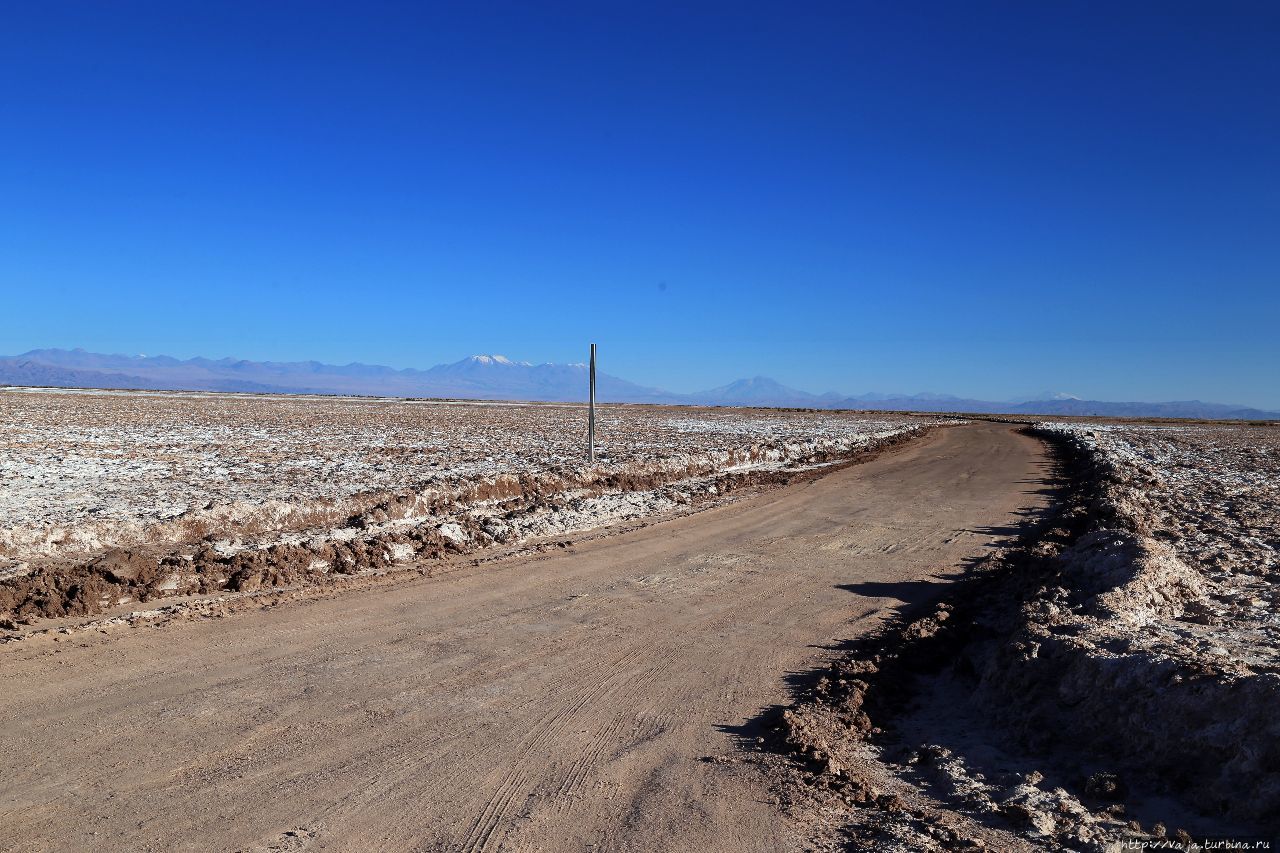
(251, 622)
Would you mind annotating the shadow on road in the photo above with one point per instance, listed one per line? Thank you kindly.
(760, 732)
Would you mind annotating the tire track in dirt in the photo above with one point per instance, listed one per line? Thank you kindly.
(550, 703)
(551, 728)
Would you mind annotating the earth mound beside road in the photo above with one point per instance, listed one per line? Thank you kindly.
(223, 494)
(1108, 678)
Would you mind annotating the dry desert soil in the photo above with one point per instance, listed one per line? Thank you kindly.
(563, 701)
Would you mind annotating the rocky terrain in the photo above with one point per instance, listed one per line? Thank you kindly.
(1171, 613)
(112, 497)
(1108, 678)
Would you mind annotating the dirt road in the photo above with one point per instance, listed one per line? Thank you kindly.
(558, 703)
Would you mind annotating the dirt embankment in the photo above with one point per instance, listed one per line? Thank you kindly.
(1029, 701)
(408, 529)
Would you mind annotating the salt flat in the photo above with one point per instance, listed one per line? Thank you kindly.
(350, 484)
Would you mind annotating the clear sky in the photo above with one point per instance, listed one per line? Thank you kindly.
(986, 199)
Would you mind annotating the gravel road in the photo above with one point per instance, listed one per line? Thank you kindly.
(556, 702)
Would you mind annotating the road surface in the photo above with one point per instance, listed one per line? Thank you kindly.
(551, 703)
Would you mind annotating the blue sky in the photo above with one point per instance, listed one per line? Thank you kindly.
(986, 199)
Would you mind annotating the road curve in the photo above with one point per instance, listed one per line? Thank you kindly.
(552, 703)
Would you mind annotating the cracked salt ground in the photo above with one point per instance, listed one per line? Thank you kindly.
(1212, 493)
(83, 472)
(237, 492)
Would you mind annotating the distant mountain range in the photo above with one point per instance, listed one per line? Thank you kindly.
(494, 377)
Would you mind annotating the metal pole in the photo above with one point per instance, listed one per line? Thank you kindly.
(591, 410)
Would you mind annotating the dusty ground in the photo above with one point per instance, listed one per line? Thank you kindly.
(560, 702)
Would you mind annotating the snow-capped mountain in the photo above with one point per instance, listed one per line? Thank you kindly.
(1044, 396)
(478, 362)
(496, 377)
(483, 377)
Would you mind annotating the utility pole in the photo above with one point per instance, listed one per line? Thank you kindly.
(591, 410)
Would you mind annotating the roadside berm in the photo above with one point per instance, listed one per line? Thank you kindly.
(415, 529)
(1043, 698)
